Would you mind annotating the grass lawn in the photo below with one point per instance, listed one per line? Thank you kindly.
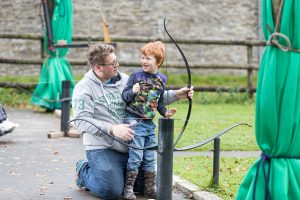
(198, 170)
(209, 119)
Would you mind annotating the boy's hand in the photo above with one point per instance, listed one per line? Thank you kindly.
(136, 88)
(170, 113)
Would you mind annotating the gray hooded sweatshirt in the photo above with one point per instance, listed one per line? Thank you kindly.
(102, 104)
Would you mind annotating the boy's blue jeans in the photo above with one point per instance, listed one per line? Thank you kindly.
(144, 137)
(104, 173)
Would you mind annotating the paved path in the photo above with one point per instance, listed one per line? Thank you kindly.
(35, 167)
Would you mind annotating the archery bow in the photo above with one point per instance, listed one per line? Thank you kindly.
(190, 105)
(188, 86)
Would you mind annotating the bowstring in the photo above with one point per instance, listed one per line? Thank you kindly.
(166, 68)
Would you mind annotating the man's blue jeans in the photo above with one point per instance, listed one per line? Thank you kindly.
(104, 173)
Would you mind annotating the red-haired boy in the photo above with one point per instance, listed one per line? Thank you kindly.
(143, 95)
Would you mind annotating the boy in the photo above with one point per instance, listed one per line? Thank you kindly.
(143, 95)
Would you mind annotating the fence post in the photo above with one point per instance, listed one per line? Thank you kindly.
(165, 159)
(250, 70)
(216, 162)
(65, 107)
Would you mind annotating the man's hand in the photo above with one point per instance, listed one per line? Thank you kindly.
(170, 113)
(122, 131)
(185, 92)
(136, 88)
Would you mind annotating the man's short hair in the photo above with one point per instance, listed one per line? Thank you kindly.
(97, 53)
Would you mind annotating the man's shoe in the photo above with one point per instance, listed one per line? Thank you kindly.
(79, 165)
(7, 127)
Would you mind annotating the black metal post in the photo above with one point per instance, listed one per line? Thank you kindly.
(216, 164)
(165, 159)
(65, 106)
(48, 25)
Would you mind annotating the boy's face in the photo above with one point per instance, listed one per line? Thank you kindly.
(149, 64)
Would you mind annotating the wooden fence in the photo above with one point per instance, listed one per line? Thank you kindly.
(250, 66)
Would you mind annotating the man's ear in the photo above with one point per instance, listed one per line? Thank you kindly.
(98, 67)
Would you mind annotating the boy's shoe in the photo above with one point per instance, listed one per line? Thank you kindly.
(7, 126)
(79, 165)
(128, 188)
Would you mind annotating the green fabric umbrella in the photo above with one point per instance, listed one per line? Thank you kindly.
(276, 175)
(56, 68)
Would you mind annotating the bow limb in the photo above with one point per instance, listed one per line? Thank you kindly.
(188, 86)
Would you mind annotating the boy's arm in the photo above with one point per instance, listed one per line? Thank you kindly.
(128, 94)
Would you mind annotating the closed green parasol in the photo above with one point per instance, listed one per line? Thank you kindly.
(56, 68)
(276, 175)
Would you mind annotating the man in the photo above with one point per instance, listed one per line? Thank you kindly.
(97, 98)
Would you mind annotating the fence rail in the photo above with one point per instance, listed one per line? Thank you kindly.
(250, 66)
(197, 89)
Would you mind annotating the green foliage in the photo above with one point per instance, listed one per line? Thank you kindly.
(15, 98)
(19, 98)
(198, 170)
(20, 79)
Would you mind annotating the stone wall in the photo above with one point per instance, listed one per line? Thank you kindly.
(189, 19)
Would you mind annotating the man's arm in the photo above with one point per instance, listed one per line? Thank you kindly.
(171, 96)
